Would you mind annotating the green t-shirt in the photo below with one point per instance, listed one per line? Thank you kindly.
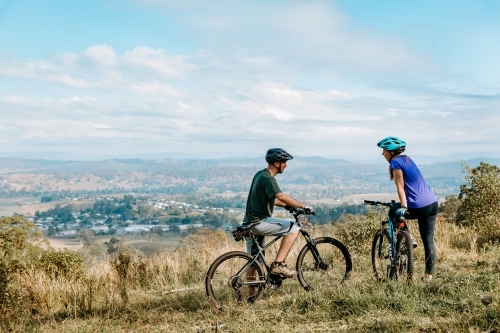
(260, 202)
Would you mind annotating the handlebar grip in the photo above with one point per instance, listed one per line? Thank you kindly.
(377, 203)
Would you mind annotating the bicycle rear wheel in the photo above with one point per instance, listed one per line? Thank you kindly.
(381, 262)
(227, 284)
(404, 257)
(325, 264)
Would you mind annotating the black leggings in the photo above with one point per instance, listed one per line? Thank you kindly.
(426, 217)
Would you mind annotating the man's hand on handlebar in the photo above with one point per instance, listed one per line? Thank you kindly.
(309, 210)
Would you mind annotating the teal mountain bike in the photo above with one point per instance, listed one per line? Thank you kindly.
(392, 247)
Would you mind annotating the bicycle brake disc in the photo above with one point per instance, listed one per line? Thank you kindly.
(235, 283)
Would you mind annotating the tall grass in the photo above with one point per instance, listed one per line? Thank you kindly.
(165, 292)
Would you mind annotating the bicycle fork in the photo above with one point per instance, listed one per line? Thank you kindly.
(391, 268)
(318, 261)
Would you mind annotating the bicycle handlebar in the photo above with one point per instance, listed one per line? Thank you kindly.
(379, 203)
(297, 211)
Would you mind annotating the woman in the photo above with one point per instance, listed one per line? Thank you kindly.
(416, 198)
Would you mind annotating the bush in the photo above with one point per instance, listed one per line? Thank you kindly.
(480, 208)
(357, 231)
(449, 209)
(15, 233)
(67, 264)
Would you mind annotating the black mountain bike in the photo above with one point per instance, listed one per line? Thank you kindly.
(392, 248)
(237, 276)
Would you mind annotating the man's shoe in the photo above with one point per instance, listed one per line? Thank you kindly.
(282, 270)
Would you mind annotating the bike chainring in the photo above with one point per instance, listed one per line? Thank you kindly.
(274, 281)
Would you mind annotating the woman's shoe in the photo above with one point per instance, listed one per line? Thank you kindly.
(426, 279)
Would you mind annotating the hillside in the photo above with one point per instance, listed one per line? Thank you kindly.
(306, 177)
(166, 293)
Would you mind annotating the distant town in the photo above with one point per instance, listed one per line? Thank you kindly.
(131, 215)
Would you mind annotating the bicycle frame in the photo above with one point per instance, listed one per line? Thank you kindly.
(393, 232)
(392, 244)
(310, 241)
(321, 261)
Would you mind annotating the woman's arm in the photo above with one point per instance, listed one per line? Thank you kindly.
(400, 186)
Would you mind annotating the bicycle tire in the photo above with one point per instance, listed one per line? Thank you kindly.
(381, 261)
(226, 289)
(404, 257)
(338, 264)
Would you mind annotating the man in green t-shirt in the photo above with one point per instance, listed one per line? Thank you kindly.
(263, 196)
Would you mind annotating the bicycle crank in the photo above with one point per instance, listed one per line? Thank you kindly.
(274, 281)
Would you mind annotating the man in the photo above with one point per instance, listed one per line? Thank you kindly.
(263, 196)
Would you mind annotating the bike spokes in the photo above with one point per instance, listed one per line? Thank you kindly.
(327, 263)
(233, 279)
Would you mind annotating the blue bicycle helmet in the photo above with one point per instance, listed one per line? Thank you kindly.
(392, 143)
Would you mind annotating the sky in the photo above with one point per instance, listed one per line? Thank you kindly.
(222, 78)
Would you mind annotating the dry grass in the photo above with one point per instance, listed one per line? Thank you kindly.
(165, 293)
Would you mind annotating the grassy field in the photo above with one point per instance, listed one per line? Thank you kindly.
(165, 293)
(145, 244)
(24, 206)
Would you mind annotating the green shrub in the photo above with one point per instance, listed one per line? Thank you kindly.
(480, 208)
(15, 233)
(449, 209)
(66, 263)
(357, 231)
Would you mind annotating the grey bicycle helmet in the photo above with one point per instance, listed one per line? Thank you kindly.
(277, 155)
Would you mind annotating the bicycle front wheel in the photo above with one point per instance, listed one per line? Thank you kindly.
(404, 257)
(381, 261)
(233, 279)
(328, 263)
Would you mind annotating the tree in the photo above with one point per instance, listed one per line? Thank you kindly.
(112, 245)
(480, 208)
(87, 236)
(449, 209)
(175, 229)
(16, 237)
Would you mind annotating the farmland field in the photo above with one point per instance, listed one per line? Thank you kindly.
(142, 243)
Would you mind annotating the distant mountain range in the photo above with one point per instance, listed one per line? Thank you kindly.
(307, 177)
(446, 168)
(67, 156)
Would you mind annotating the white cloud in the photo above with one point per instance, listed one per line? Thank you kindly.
(263, 74)
(146, 58)
(101, 54)
(152, 88)
(280, 114)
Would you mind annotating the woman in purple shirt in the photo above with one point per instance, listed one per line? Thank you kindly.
(416, 198)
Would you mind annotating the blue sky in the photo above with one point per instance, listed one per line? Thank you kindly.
(327, 78)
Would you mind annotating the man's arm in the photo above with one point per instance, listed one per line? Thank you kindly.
(282, 200)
